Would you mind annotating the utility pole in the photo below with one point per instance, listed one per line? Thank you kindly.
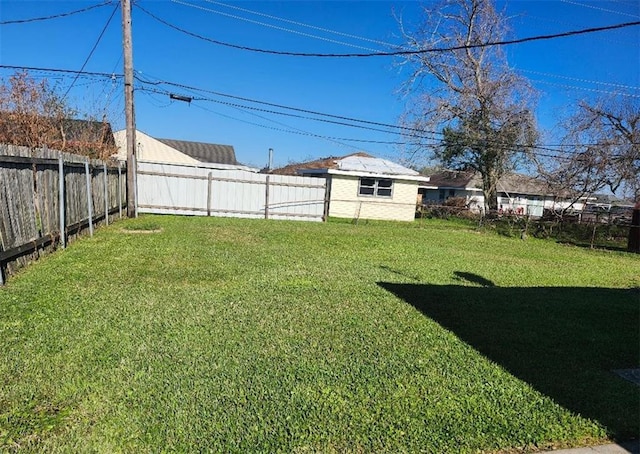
(125, 6)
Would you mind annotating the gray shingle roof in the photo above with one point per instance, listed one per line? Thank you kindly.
(204, 152)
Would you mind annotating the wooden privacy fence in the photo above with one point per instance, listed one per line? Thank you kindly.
(208, 190)
(48, 197)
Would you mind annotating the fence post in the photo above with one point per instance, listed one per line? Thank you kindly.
(120, 189)
(327, 193)
(266, 199)
(135, 185)
(89, 209)
(106, 194)
(61, 207)
(210, 177)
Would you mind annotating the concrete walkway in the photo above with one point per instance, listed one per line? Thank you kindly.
(622, 448)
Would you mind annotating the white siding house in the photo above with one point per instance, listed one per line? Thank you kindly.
(517, 193)
(364, 187)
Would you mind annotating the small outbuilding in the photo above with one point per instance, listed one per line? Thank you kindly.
(361, 186)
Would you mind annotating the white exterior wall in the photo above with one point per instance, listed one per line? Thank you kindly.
(346, 203)
(150, 149)
(531, 205)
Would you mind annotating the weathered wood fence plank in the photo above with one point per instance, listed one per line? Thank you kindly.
(46, 198)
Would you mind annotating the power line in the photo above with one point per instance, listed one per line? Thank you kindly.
(406, 131)
(538, 150)
(578, 79)
(59, 70)
(394, 53)
(56, 16)
(594, 90)
(286, 114)
(301, 24)
(281, 106)
(414, 133)
(307, 35)
(600, 9)
(91, 52)
(300, 132)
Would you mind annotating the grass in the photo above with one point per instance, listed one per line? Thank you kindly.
(248, 335)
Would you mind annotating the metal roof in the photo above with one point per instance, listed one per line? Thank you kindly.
(357, 164)
(370, 164)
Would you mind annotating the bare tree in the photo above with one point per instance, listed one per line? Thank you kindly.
(32, 114)
(29, 112)
(612, 129)
(600, 150)
(470, 94)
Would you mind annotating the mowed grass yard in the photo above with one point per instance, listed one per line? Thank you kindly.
(264, 336)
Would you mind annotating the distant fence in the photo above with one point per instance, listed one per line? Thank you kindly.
(205, 190)
(48, 197)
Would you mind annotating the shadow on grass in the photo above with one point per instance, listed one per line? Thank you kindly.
(563, 341)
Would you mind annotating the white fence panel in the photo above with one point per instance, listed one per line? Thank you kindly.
(294, 197)
(206, 190)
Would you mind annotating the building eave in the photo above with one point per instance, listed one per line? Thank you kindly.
(352, 173)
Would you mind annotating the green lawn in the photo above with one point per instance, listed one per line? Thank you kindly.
(250, 335)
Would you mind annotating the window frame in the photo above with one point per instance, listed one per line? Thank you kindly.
(376, 188)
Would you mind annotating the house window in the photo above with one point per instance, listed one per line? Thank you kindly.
(376, 187)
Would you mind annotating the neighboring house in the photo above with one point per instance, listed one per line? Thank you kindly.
(517, 193)
(363, 187)
(170, 151)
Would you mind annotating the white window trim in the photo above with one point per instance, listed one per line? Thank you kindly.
(376, 187)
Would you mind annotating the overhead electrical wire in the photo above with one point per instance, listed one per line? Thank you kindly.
(301, 24)
(594, 90)
(286, 114)
(300, 132)
(280, 106)
(600, 9)
(336, 139)
(393, 53)
(56, 16)
(406, 131)
(579, 79)
(535, 149)
(276, 27)
(383, 43)
(93, 49)
(59, 70)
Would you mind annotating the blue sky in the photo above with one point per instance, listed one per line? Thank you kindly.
(563, 70)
